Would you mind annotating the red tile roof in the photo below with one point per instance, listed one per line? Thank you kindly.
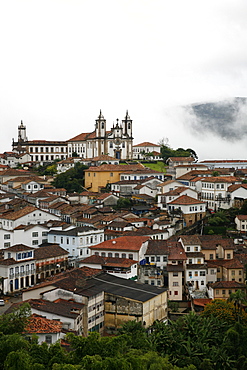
(146, 143)
(115, 168)
(186, 200)
(228, 284)
(124, 243)
(109, 261)
(40, 325)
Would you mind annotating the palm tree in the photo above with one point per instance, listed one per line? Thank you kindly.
(238, 299)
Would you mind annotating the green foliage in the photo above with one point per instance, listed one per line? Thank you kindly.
(173, 306)
(125, 203)
(18, 360)
(215, 173)
(226, 310)
(72, 180)
(16, 321)
(243, 210)
(166, 151)
(136, 334)
(157, 166)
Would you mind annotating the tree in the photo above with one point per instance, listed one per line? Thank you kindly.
(136, 333)
(16, 321)
(238, 298)
(124, 203)
(224, 310)
(18, 360)
(72, 180)
(243, 210)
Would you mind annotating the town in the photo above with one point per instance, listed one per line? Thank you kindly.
(97, 231)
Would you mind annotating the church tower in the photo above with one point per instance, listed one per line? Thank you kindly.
(100, 126)
(127, 125)
(22, 136)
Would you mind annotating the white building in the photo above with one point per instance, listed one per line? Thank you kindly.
(116, 143)
(76, 240)
(31, 235)
(132, 247)
(25, 216)
(146, 150)
(215, 191)
(17, 268)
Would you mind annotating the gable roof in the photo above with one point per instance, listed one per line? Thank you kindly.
(186, 200)
(14, 215)
(146, 143)
(123, 243)
(41, 325)
(49, 251)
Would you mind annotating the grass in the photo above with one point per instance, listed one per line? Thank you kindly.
(157, 166)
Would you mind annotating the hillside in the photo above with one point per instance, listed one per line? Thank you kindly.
(226, 118)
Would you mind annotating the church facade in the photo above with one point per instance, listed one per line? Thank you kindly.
(117, 143)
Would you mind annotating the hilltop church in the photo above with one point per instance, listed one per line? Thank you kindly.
(116, 143)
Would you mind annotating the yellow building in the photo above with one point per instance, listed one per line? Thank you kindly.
(98, 177)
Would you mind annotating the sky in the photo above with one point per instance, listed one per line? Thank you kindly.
(61, 61)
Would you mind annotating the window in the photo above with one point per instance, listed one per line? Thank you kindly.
(117, 255)
(233, 273)
(202, 273)
(175, 274)
(35, 234)
(109, 254)
(103, 254)
(196, 249)
(176, 292)
(6, 236)
(123, 255)
(211, 256)
(196, 273)
(217, 292)
(228, 256)
(131, 256)
(158, 258)
(61, 240)
(223, 291)
(35, 242)
(6, 245)
(202, 282)
(190, 273)
(175, 283)
(212, 272)
(44, 233)
(188, 249)
(48, 339)
(152, 259)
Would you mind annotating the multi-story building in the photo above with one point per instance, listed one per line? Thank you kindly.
(77, 240)
(116, 143)
(146, 150)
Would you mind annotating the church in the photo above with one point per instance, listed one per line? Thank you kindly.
(117, 143)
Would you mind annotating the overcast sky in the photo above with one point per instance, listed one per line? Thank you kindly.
(62, 61)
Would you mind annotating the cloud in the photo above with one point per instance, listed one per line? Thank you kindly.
(225, 119)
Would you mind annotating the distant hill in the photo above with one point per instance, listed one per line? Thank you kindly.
(227, 119)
